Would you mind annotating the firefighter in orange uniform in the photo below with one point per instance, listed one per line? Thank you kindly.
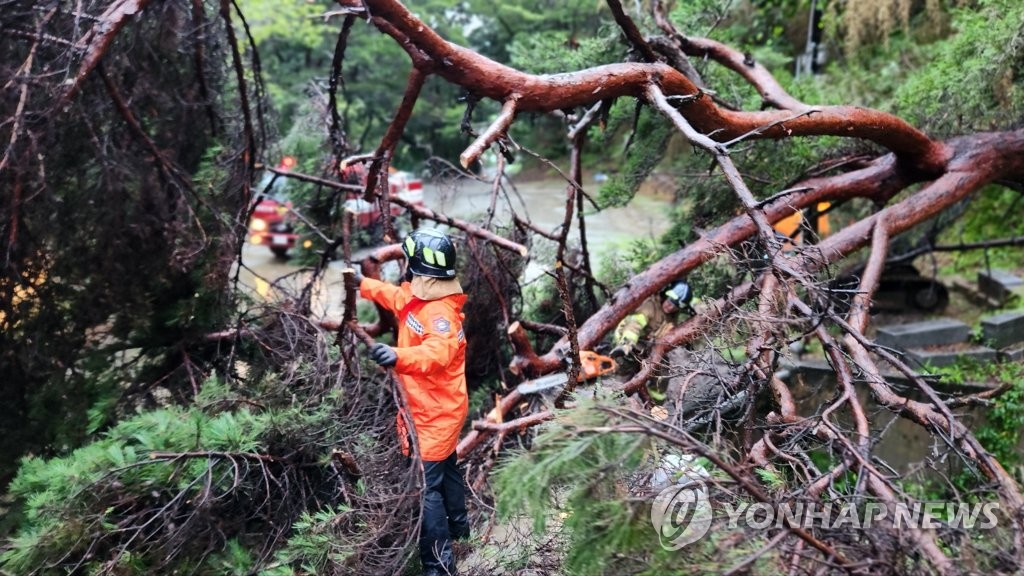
(430, 360)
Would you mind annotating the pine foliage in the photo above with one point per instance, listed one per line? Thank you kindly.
(166, 490)
(285, 462)
(985, 54)
(573, 482)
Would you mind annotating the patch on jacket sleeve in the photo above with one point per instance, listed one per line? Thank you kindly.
(443, 326)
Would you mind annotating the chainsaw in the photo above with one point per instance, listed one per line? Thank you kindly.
(592, 365)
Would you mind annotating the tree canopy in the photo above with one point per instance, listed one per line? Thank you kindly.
(160, 419)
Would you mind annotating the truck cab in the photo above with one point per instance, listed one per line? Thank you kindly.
(272, 221)
(366, 215)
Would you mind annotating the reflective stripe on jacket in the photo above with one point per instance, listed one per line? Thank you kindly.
(431, 364)
(648, 320)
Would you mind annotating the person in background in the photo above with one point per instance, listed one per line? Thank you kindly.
(655, 316)
(430, 361)
(635, 333)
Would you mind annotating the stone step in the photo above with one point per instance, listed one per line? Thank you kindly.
(938, 358)
(999, 284)
(936, 332)
(1012, 354)
(1004, 329)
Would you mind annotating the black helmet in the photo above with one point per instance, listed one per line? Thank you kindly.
(430, 253)
(680, 294)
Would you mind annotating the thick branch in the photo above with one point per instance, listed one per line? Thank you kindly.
(526, 363)
(381, 160)
(631, 31)
(494, 132)
(870, 279)
(980, 159)
(474, 438)
(517, 424)
(99, 39)
(758, 76)
(486, 78)
(878, 181)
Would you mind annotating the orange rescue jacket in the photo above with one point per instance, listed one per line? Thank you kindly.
(431, 365)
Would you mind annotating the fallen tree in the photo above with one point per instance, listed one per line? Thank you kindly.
(789, 289)
(752, 428)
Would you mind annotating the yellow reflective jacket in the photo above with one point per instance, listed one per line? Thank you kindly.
(648, 321)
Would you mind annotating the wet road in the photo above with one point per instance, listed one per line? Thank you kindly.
(542, 202)
(262, 274)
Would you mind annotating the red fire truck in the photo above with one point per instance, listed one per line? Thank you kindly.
(367, 214)
(273, 223)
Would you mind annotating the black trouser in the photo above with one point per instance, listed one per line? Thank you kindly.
(444, 513)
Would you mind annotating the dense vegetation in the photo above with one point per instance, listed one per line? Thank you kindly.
(158, 421)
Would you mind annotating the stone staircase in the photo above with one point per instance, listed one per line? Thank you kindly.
(944, 341)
